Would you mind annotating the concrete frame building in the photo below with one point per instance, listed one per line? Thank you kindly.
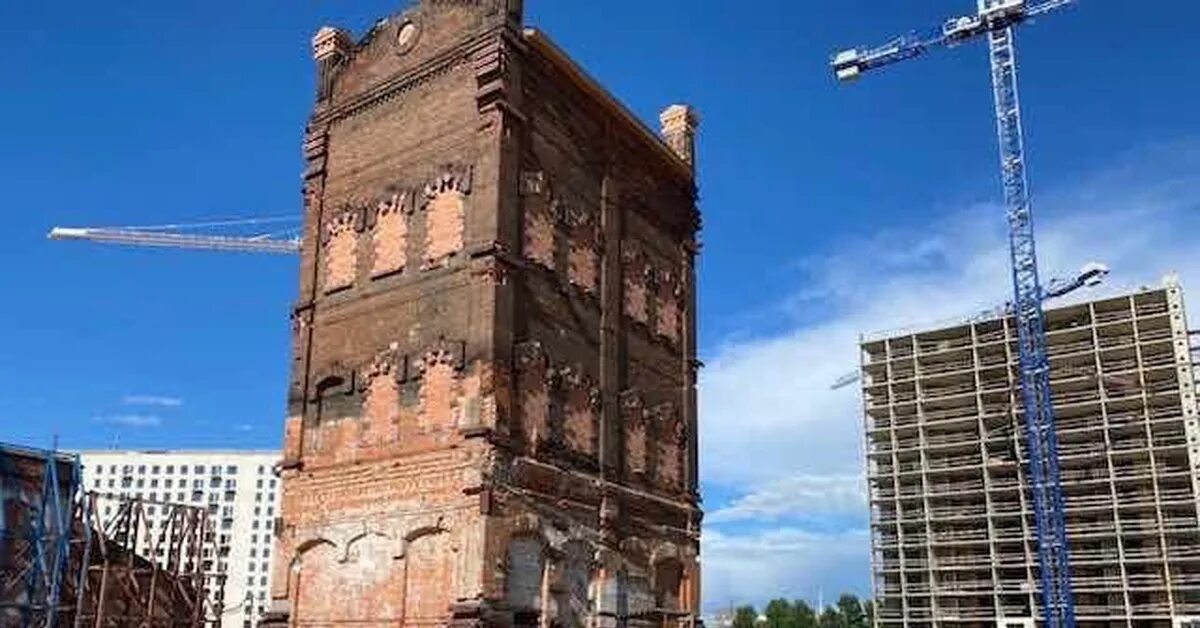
(952, 526)
(242, 495)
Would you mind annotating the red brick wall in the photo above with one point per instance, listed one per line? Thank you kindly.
(473, 214)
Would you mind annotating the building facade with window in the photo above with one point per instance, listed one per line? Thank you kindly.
(241, 493)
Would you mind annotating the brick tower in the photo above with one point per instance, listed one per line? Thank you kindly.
(492, 411)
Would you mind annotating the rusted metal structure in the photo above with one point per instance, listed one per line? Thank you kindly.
(64, 563)
(36, 491)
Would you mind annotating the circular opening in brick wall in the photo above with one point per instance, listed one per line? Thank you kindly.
(406, 36)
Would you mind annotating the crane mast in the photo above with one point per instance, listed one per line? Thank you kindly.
(996, 20)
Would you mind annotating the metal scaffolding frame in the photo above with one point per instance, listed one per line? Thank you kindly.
(64, 564)
(36, 492)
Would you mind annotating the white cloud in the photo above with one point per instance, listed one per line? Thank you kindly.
(774, 434)
(813, 495)
(787, 562)
(152, 400)
(131, 420)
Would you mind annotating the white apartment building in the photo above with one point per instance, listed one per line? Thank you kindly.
(241, 494)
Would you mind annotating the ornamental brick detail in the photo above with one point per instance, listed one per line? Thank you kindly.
(554, 221)
(390, 237)
(633, 419)
(444, 205)
(381, 403)
(533, 394)
(671, 443)
(669, 295)
(580, 416)
(439, 387)
(583, 258)
(340, 242)
(538, 242)
(634, 271)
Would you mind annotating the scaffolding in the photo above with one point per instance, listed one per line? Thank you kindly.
(37, 490)
(953, 535)
(63, 564)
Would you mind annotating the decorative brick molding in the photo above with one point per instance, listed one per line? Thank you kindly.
(583, 250)
(633, 419)
(554, 221)
(581, 404)
(635, 274)
(390, 235)
(539, 241)
(340, 244)
(439, 389)
(533, 394)
(671, 438)
(444, 204)
(669, 294)
(558, 406)
(381, 401)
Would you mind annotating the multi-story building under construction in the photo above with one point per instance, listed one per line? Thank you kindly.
(953, 535)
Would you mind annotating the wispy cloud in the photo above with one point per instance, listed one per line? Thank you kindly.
(786, 562)
(790, 450)
(814, 495)
(131, 420)
(152, 400)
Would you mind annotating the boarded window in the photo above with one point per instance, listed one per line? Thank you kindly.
(667, 576)
(523, 578)
(574, 604)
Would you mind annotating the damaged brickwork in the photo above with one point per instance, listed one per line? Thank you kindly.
(492, 408)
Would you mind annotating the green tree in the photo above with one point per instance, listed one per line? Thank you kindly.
(745, 617)
(803, 615)
(869, 611)
(831, 618)
(851, 611)
(779, 614)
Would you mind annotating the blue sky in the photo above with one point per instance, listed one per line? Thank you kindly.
(828, 211)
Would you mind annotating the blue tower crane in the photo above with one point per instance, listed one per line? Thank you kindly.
(996, 20)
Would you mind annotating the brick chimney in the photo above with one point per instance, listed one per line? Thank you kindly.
(331, 47)
(679, 125)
